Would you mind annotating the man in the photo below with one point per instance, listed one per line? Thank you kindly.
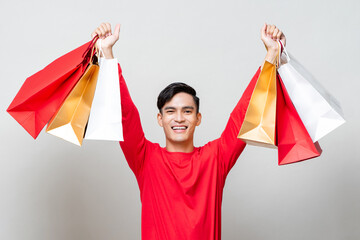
(181, 186)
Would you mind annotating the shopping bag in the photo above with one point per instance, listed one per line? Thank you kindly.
(319, 111)
(43, 92)
(258, 127)
(70, 120)
(293, 141)
(105, 120)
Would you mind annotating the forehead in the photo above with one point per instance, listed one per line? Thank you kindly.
(180, 100)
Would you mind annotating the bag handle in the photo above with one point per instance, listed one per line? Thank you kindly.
(100, 51)
(91, 45)
(285, 52)
(277, 63)
(87, 51)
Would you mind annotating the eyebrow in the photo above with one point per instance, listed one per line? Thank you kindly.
(173, 108)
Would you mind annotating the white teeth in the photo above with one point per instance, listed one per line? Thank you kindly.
(179, 128)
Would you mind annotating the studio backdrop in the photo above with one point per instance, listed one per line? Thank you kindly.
(52, 189)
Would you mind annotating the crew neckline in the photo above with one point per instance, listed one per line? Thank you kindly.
(181, 153)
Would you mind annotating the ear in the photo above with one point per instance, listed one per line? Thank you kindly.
(159, 118)
(198, 116)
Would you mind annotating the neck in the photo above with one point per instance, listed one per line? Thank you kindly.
(179, 146)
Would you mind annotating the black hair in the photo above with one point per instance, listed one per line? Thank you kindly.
(177, 87)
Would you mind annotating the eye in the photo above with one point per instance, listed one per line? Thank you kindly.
(169, 111)
(188, 111)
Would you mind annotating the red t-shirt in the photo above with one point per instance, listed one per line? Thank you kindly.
(181, 193)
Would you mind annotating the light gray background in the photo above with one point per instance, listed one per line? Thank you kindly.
(51, 189)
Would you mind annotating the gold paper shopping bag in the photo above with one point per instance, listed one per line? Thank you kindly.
(258, 127)
(70, 121)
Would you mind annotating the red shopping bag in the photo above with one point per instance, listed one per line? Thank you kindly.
(293, 141)
(42, 93)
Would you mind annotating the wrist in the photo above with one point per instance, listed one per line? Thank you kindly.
(271, 55)
(273, 49)
(108, 53)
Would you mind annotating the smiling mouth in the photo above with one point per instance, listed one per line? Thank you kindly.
(179, 128)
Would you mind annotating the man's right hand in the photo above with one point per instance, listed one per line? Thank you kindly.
(108, 39)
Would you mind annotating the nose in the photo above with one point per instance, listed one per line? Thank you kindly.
(179, 117)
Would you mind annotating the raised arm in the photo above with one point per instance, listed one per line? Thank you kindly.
(230, 147)
(134, 143)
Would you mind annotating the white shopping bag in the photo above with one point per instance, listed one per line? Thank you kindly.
(105, 116)
(319, 111)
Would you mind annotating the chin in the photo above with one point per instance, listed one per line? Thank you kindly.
(179, 140)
